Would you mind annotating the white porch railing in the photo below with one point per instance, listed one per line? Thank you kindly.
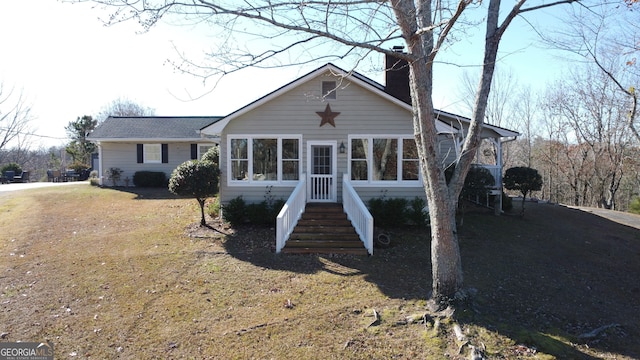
(290, 214)
(321, 188)
(358, 213)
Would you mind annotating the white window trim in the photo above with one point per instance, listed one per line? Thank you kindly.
(369, 160)
(145, 152)
(200, 152)
(250, 181)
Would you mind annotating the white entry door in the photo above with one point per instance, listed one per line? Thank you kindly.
(321, 163)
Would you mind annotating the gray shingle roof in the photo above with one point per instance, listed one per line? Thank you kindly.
(152, 127)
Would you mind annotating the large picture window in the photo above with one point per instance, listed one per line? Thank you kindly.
(376, 159)
(263, 158)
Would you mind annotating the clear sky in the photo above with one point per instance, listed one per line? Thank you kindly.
(68, 64)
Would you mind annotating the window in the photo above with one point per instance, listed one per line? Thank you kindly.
(152, 153)
(202, 149)
(375, 159)
(385, 159)
(290, 159)
(410, 162)
(359, 150)
(239, 159)
(265, 159)
(329, 89)
(257, 159)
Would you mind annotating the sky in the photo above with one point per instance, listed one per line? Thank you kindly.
(67, 64)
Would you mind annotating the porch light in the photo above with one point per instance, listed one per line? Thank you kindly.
(342, 148)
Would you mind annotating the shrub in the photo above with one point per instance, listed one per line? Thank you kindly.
(212, 155)
(11, 167)
(265, 212)
(259, 213)
(114, 174)
(416, 213)
(388, 212)
(275, 208)
(235, 211)
(524, 179)
(150, 179)
(477, 182)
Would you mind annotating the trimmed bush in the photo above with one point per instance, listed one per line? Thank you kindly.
(235, 211)
(198, 179)
(478, 182)
(150, 179)
(389, 212)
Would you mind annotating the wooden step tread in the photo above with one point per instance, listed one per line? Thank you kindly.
(354, 251)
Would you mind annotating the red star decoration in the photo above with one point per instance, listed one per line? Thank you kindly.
(328, 116)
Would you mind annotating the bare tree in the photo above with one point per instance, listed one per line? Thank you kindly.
(355, 28)
(124, 107)
(15, 118)
(607, 35)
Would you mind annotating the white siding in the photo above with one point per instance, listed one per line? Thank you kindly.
(294, 112)
(123, 156)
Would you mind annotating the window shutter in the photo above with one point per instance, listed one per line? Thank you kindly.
(194, 151)
(165, 153)
(140, 153)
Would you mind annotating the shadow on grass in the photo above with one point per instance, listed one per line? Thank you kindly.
(146, 193)
(541, 280)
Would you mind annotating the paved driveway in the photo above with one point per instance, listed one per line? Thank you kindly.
(620, 217)
(35, 185)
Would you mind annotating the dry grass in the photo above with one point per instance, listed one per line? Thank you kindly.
(111, 274)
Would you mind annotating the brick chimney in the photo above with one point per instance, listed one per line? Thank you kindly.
(397, 76)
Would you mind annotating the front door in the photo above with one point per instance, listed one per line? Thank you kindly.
(322, 186)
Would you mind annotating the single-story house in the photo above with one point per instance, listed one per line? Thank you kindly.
(149, 143)
(339, 135)
(330, 136)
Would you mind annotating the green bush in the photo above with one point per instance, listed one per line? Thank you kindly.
(265, 212)
(478, 182)
(11, 167)
(416, 213)
(634, 206)
(389, 212)
(212, 155)
(259, 214)
(235, 211)
(150, 179)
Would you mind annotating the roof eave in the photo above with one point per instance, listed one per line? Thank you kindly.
(155, 140)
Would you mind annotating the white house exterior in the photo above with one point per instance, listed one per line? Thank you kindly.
(149, 143)
(359, 132)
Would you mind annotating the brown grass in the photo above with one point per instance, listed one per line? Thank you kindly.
(104, 273)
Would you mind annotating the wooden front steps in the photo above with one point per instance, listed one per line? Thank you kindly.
(324, 229)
